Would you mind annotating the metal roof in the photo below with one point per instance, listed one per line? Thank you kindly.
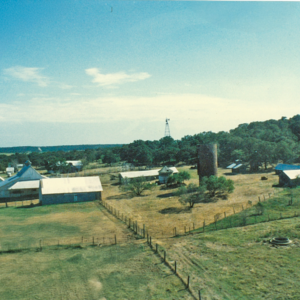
(231, 166)
(71, 185)
(165, 170)
(237, 166)
(292, 174)
(148, 173)
(23, 185)
(75, 163)
(281, 167)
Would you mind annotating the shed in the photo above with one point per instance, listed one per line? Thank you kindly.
(69, 190)
(76, 164)
(164, 174)
(285, 167)
(289, 178)
(10, 170)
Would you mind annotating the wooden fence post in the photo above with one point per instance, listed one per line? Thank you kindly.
(233, 210)
(82, 239)
(156, 248)
(188, 282)
(193, 226)
(165, 254)
(115, 239)
(144, 230)
(184, 229)
(258, 198)
(93, 241)
(224, 214)
(175, 267)
(174, 231)
(203, 226)
(199, 294)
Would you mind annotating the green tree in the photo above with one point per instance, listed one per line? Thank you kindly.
(218, 185)
(137, 186)
(191, 194)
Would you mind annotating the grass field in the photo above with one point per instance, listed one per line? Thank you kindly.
(240, 263)
(161, 211)
(111, 272)
(68, 223)
(233, 263)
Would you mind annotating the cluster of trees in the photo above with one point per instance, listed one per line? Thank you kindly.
(209, 188)
(257, 143)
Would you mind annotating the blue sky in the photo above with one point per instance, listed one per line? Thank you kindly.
(99, 72)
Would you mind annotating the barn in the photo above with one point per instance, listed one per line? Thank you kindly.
(69, 190)
(23, 185)
(125, 177)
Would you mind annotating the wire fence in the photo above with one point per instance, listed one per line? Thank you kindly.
(61, 243)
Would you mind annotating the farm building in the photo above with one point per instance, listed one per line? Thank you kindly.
(23, 185)
(289, 178)
(236, 168)
(76, 164)
(66, 190)
(124, 177)
(10, 171)
(285, 167)
(164, 174)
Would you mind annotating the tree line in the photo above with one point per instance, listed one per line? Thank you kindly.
(257, 144)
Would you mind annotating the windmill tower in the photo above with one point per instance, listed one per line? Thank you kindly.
(167, 128)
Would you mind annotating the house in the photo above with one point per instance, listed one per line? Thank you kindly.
(285, 167)
(69, 190)
(124, 177)
(23, 185)
(289, 178)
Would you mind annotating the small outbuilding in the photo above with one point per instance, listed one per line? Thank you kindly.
(75, 164)
(69, 190)
(289, 178)
(285, 167)
(164, 174)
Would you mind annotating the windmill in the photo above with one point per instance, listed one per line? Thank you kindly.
(167, 128)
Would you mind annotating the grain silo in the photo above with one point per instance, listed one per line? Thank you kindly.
(207, 160)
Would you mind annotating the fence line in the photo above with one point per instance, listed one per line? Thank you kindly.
(79, 242)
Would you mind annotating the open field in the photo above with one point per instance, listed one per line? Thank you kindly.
(160, 211)
(111, 272)
(239, 263)
(25, 226)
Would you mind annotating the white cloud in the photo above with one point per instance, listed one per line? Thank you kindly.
(115, 78)
(64, 86)
(27, 74)
(193, 113)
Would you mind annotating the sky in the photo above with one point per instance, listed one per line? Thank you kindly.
(111, 72)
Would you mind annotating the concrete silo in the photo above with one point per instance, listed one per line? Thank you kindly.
(207, 160)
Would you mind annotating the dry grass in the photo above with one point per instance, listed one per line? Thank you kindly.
(160, 211)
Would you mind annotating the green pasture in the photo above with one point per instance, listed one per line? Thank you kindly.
(112, 272)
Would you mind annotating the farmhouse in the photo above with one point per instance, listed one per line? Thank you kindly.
(66, 190)
(285, 167)
(124, 177)
(289, 178)
(23, 185)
